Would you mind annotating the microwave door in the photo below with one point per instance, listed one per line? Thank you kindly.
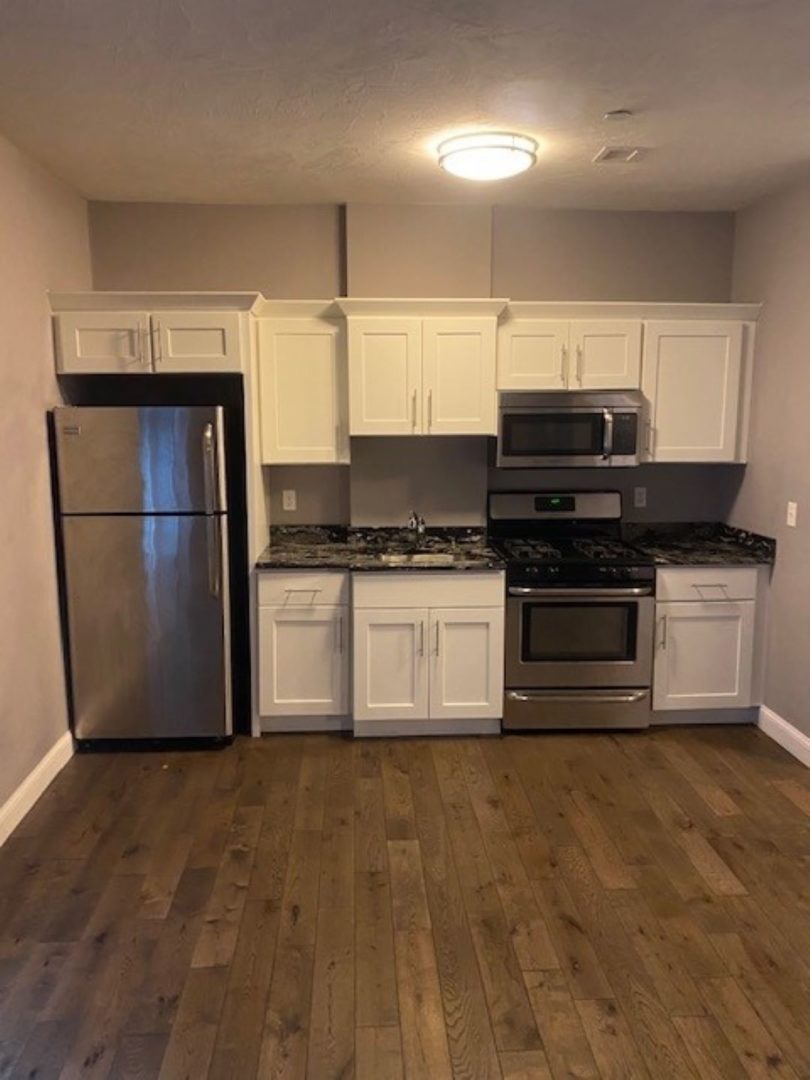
(565, 437)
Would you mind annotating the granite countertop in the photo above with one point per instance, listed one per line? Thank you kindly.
(702, 544)
(329, 547)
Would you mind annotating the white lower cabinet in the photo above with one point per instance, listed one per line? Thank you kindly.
(704, 651)
(435, 661)
(303, 652)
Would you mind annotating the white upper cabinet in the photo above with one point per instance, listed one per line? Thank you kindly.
(458, 377)
(422, 367)
(533, 354)
(385, 376)
(302, 383)
(102, 342)
(562, 354)
(466, 672)
(196, 341)
(693, 384)
(605, 354)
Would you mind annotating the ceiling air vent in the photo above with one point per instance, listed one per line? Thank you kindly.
(620, 155)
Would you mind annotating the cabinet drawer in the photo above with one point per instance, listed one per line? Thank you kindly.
(707, 583)
(431, 590)
(303, 588)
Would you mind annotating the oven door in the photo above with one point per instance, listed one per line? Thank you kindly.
(563, 436)
(579, 638)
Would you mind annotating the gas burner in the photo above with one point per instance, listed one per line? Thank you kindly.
(528, 549)
(603, 548)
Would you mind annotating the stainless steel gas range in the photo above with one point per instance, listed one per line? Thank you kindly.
(580, 612)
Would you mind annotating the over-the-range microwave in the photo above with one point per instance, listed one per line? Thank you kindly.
(567, 429)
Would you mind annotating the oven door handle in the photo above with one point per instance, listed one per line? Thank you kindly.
(639, 590)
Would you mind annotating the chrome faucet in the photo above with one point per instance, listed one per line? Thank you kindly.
(416, 523)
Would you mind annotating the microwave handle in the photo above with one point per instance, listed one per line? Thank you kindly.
(607, 438)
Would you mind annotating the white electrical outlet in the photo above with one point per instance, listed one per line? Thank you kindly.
(639, 497)
(289, 499)
(792, 514)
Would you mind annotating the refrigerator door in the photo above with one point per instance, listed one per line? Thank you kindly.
(150, 459)
(148, 626)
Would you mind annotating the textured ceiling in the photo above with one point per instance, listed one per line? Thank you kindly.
(268, 101)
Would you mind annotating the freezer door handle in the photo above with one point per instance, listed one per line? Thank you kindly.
(209, 468)
(212, 526)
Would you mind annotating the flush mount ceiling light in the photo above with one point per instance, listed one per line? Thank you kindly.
(488, 155)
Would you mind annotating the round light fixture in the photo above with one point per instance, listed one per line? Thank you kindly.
(488, 155)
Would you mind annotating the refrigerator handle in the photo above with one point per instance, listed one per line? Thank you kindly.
(212, 526)
(209, 468)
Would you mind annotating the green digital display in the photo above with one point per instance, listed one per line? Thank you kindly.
(563, 504)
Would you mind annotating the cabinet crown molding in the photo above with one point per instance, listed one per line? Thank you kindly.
(153, 301)
(627, 309)
(296, 309)
(427, 307)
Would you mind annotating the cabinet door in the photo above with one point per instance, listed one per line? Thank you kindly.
(303, 661)
(196, 341)
(302, 392)
(385, 376)
(102, 342)
(704, 655)
(533, 355)
(466, 668)
(692, 373)
(390, 664)
(458, 372)
(606, 354)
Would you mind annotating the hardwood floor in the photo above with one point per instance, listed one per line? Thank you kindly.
(607, 906)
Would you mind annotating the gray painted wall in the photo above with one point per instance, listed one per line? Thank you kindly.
(43, 234)
(289, 252)
(772, 264)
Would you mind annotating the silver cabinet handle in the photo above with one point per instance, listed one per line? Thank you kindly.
(710, 585)
(430, 409)
(438, 639)
(663, 642)
(156, 354)
(339, 629)
(421, 649)
(413, 410)
(209, 467)
(579, 364)
(212, 527)
(564, 364)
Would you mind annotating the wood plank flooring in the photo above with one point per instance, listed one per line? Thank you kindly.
(535, 907)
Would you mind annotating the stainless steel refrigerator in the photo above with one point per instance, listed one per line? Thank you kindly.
(143, 513)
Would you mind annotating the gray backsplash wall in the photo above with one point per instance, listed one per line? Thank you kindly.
(446, 481)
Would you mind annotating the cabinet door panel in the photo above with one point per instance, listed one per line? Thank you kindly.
(196, 341)
(385, 376)
(466, 669)
(704, 655)
(533, 355)
(303, 661)
(102, 342)
(303, 409)
(606, 354)
(458, 368)
(390, 664)
(692, 373)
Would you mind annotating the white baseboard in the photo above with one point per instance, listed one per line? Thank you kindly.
(788, 736)
(20, 801)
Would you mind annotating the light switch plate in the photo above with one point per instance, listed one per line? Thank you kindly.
(792, 514)
(639, 497)
(289, 499)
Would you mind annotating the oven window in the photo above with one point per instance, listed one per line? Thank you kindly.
(563, 434)
(586, 632)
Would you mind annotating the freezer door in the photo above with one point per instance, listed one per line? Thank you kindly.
(150, 459)
(148, 626)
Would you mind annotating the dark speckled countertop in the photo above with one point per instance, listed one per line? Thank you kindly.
(702, 544)
(332, 547)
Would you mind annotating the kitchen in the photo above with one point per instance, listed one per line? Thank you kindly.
(393, 390)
